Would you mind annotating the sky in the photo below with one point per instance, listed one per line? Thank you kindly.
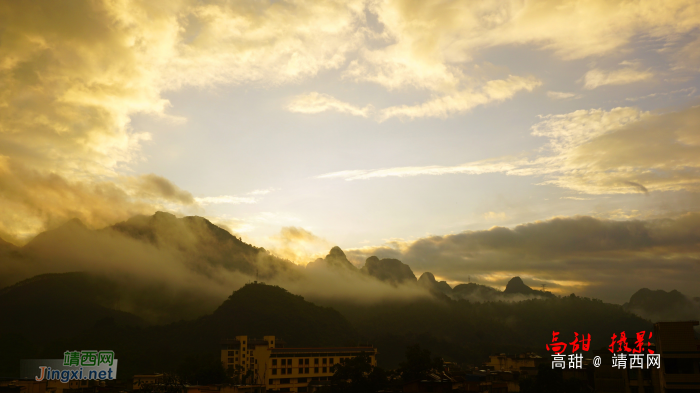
(567, 132)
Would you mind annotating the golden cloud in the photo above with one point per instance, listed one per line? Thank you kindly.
(597, 77)
(298, 245)
(611, 259)
(315, 102)
(491, 91)
(73, 75)
(624, 150)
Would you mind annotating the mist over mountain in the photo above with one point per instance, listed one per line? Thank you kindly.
(254, 310)
(335, 259)
(163, 284)
(168, 268)
(659, 305)
(427, 280)
(389, 270)
(476, 292)
(459, 330)
(63, 301)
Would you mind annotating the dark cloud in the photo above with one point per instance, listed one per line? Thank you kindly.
(601, 258)
(155, 186)
(638, 186)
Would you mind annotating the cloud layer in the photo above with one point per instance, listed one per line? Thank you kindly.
(623, 150)
(593, 257)
(74, 75)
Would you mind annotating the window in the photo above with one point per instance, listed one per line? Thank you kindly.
(325, 369)
(289, 371)
(304, 389)
(301, 361)
(325, 361)
(301, 380)
(301, 370)
(284, 380)
(315, 370)
(330, 361)
(274, 371)
(274, 362)
(306, 370)
(316, 361)
(306, 361)
(284, 371)
(230, 353)
(236, 358)
(678, 366)
(230, 360)
(272, 381)
(236, 352)
(284, 362)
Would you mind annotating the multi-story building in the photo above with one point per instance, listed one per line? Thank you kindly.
(268, 363)
(679, 369)
(146, 379)
(680, 356)
(525, 363)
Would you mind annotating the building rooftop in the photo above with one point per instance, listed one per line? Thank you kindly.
(325, 350)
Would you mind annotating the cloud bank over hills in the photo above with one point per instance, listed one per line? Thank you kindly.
(589, 256)
(170, 268)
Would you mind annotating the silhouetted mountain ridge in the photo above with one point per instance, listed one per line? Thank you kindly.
(660, 305)
(253, 310)
(389, 270)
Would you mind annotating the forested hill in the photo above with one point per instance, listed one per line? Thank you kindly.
(254, 310)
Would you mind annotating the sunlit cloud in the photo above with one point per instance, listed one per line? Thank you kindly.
(560, 95)
(298, 245)
(227, 199)
(495, 216)
(316, 103)
(492, 91)
(474, 168)
(624, 150)
(262, 191)
(630, 74)
(688, 92)
(575, 253)
(73, 75)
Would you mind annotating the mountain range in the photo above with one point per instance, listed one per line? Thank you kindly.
(157, 289)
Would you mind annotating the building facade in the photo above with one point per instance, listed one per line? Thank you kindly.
(680, 356)
(267, 362)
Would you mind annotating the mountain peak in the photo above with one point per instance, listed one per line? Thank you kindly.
(165, 216)
(336, 258)
(336, 252)
(427, 280)
(427, 276)
(71, 231)
(516, 285)
(5, 245)
(389, 270)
